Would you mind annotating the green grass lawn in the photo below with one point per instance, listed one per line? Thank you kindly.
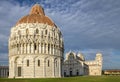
(68, 79)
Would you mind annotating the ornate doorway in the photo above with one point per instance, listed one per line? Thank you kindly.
(70, 73)
(19, 71)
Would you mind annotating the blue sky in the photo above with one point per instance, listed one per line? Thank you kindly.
(88, 26)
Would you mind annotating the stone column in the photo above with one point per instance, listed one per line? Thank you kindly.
(12, 49)
(18, 49)
(43, 48)
(50, 50)
(44, 69)
(32, 47)
(24, 48)
(56, 50)
(34, 67)
(53, 68)
(1, 72)
(53, 49)
(39, 47)
(15, 49)
(59, 67)
(28, 48)
(21, 48)
(22, 69)
(14, 69)
(6, 72)
(46, 48)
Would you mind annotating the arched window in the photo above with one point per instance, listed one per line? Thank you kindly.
(49, 36)
(64, 72)
(56, 63)
(77, 72)
(19, 33)
(35, 47)
(27, 31)
(48, 63)
(41, 47)
(45, 48)
(54, 35)
(27, 62)
(38, 62)
(41, 34)
(18, 47)
(46, 32)
(37, 31)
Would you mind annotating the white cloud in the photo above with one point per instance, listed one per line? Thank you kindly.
(9, 15)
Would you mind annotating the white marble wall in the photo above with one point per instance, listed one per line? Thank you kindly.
(95, 66)
(31, 42)
(33, 70)
(74, 64)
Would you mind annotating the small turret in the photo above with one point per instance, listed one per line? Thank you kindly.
(81, 56)
(99, 58)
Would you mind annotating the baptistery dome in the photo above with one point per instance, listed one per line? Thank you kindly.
(35, 47)
(36, 15)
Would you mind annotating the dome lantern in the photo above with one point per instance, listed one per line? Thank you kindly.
(37, 9)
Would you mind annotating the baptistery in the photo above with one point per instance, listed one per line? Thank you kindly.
(36, 46)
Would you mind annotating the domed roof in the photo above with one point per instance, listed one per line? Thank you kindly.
(99, 54)
(36, 15)
(80, 55)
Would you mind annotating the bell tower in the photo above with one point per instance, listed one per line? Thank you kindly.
(99, 58)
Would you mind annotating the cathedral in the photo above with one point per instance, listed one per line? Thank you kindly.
(36, 50)
(75, 65)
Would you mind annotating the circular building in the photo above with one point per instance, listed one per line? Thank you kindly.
(35, 47)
